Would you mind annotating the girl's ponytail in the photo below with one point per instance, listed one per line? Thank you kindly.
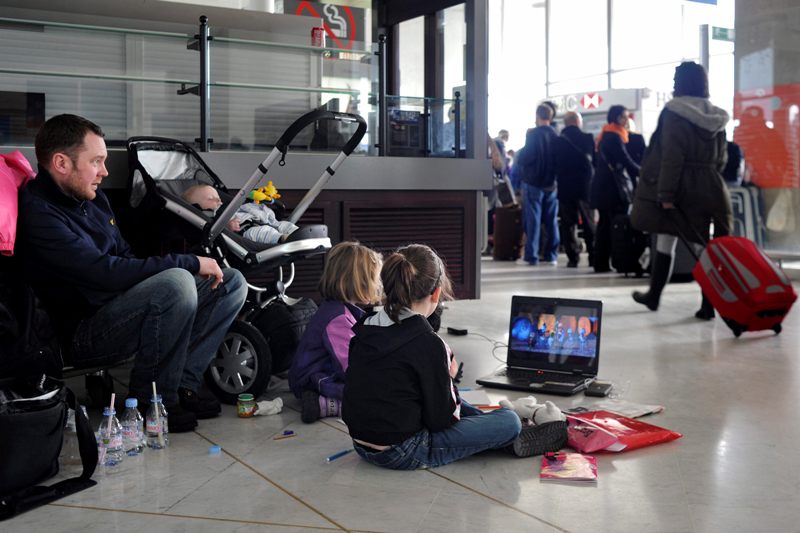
(410, 274)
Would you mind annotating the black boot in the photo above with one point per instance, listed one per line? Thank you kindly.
(662, 270)
(706, 311)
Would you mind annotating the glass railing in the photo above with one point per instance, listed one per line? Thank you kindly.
(135, 82)
(425, 127)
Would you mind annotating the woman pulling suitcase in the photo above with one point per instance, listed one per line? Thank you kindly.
(682, 168)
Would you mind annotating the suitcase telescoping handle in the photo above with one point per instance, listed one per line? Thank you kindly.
(215, 226)
(678, 212)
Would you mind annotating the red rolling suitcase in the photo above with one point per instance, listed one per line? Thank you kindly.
(749, 291)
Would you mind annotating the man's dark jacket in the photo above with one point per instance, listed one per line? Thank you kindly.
(574, 156)
(74, 256)
(538, 163)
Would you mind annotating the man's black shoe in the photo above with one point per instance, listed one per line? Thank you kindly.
(572, 264)
(201, 402)
(179, 419)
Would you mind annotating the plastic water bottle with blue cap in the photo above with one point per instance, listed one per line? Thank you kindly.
(132, 428)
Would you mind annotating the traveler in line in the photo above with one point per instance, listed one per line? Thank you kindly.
(574, 154)
(539, 196)
(606, 195)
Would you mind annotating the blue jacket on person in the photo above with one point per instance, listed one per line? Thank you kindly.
(537, 160)
(74, 256)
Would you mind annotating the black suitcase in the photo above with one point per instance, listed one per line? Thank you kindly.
(507, 233)
(628, 247)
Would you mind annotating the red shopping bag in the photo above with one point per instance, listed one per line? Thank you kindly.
(602, 430)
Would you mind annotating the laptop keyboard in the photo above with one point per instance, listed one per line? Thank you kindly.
(532, 376)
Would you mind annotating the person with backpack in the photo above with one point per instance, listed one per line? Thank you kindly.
(574, 157)
(540, 199)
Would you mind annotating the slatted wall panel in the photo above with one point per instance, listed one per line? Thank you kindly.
(441, 228)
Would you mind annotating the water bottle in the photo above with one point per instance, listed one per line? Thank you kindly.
(110, 448)
(70, 454)
(132, 428)
(156, 424)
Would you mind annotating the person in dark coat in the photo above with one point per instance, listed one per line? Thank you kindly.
(574, 157)
(636, 146)
(605, 195)
(682, 169)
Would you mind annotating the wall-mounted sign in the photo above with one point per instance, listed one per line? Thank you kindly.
(344, 25)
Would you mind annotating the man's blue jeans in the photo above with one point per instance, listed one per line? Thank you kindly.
(541, 207)
(173, 322)
(475, 432)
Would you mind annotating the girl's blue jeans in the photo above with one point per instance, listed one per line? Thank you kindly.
(475, 432)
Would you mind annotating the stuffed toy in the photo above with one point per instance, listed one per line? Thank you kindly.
(537, 413)
(266, 194)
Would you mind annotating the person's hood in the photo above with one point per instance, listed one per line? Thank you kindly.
(700, 112)
(380, 335)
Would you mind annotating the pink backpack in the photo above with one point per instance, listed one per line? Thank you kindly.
(15, 171)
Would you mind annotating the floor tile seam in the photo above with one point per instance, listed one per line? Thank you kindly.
(498, 501)
(276, 485)
(191, 517)
(196, 489)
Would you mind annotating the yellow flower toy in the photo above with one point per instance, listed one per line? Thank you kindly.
(266, 194)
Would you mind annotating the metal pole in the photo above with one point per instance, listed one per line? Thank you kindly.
(205, 97)
(704, 51)
(382, 104)
(457, 124)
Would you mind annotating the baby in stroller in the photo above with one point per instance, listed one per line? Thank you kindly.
(253, 220)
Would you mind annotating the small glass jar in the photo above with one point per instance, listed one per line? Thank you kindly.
(245, 406)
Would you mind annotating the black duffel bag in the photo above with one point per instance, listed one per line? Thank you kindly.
(33, 413)
(283, 323)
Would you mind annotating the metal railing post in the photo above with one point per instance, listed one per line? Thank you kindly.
(201, 44)
(457, 124)
(382, 104)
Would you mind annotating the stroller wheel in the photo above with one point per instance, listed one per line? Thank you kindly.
(243, 363)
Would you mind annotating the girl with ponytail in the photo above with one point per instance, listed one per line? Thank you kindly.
(400, 404)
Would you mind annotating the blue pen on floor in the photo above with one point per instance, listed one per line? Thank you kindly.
(337, 455)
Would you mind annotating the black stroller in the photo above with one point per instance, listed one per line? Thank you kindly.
(162, 170)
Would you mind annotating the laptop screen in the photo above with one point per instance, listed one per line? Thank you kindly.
(555, 334)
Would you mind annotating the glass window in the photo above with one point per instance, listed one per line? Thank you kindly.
(578, 43)
(516, 67)
(646, 33)
(411, 66)
(455, 42)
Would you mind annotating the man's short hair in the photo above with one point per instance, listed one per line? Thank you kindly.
(572, 118)
(63, 133)
(544, 112)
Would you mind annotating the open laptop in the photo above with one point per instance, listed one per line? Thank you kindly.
(553, 347)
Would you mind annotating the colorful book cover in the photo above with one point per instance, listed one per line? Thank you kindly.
(569, 467)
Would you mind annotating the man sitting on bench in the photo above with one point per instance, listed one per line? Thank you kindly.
(171, 312)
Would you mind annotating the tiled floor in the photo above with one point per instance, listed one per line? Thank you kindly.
(735, 401)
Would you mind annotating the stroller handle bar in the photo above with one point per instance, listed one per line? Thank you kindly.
(321, 114)
(218, 223)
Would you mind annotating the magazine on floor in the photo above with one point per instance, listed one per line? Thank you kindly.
(566, 467)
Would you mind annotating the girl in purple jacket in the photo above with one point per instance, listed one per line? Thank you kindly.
(351, 279)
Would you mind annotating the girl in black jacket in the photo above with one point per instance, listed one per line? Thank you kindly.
(400, 404)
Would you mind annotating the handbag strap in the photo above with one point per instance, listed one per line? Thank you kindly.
(577, 148)
(32, 497)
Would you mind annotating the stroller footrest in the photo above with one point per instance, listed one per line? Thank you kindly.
(314, 231)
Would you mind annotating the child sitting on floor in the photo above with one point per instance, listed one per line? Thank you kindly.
(255, 221)
(349, 281)
(400, 404)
